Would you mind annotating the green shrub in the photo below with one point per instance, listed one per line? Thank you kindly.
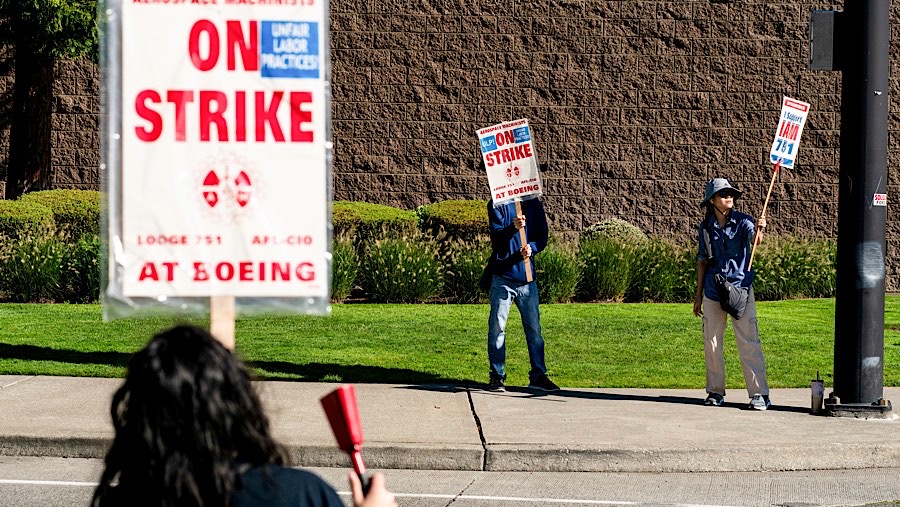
(366, 222)
(20, 219)
(344, 267)
(663, 272)
(465, 261)
(605, 269)
(456, 220)
(31, 269)
(614, 228)
(80, 282)
(402, 270)
(76, 212)
(794, 268)
(557, 273)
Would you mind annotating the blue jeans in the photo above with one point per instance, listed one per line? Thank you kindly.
(503, 293)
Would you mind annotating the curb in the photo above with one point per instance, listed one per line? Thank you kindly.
(530, 458)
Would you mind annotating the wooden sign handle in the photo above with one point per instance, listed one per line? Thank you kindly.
(221, 320)
(763, 215)
(524, 241)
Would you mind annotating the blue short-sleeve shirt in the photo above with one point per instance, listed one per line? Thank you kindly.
(731, 247)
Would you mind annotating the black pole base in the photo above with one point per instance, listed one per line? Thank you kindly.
(881, 409)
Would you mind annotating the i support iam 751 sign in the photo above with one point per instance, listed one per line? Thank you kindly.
(787, 135)
(224, 151)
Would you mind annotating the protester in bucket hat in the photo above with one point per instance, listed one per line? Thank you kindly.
(716, 185)
(725, 240)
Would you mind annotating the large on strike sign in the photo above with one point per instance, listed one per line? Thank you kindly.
(510, 161)
(218, 151)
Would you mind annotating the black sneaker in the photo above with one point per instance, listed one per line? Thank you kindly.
(543, 383)
(496, 385)
(714, 400)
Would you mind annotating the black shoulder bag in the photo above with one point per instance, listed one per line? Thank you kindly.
(733, 299)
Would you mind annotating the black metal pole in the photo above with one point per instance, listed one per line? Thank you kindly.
(859, 312)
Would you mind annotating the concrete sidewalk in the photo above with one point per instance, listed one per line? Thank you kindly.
(458, 428)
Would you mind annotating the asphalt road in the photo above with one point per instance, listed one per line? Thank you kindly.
(47, 482)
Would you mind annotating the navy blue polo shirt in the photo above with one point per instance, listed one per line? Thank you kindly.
(731, 247)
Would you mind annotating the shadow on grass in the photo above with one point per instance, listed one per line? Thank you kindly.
(268, 370)
(34, 353)
(327, 372)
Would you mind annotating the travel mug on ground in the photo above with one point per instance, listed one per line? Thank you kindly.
(818, 396)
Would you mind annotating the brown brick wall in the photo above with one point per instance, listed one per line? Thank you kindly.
(6, 89)
(633, 106)
(76, 125)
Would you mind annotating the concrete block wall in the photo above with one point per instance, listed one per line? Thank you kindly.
(634, 105)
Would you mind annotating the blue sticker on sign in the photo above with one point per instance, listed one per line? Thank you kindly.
(488, 144)
(522, 134)
(289, 49)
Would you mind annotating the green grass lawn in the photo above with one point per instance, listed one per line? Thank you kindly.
(587, 345)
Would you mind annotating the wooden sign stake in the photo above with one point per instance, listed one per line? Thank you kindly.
(221, 320)
(763, 215)
(524, 241)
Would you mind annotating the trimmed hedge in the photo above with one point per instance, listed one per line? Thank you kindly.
(380, 250)
(458, 220)
(20, 219)
(616, 229)
(76, 212)
(366, 222)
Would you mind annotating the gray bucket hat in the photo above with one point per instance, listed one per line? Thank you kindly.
(714, 186)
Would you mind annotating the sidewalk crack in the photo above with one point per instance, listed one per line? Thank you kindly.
(461, 493)
(480, 429)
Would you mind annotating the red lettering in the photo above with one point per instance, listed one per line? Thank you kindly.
(208, 115)
(266, 115)
(224, 271)
(149, 271)
(299, 116)
(281, 271)
(240, 116)
(249, 48)
(305, 272)
(503, 138)
(200, 273)
(155, 119)
(179, 98)
(245, 271)
(170, 270)
(212, 114)
(201, 27)
(236, 43)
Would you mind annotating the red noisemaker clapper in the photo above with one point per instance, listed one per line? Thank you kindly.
(343, 415)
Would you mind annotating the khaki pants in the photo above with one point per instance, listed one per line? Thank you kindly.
(746, 333)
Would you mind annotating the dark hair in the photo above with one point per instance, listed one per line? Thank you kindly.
(185, 419)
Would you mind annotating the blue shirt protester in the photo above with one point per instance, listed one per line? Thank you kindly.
(731, 247)
(506, 259)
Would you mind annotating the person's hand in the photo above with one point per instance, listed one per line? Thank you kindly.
(698, 305)
(519, 221)
(378, 495)
(525, 251)
(761, 223)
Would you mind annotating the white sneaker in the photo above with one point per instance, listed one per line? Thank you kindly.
(760, 402)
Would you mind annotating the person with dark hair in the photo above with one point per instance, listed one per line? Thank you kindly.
(509, 284)
(190, 431)
(725, 242)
